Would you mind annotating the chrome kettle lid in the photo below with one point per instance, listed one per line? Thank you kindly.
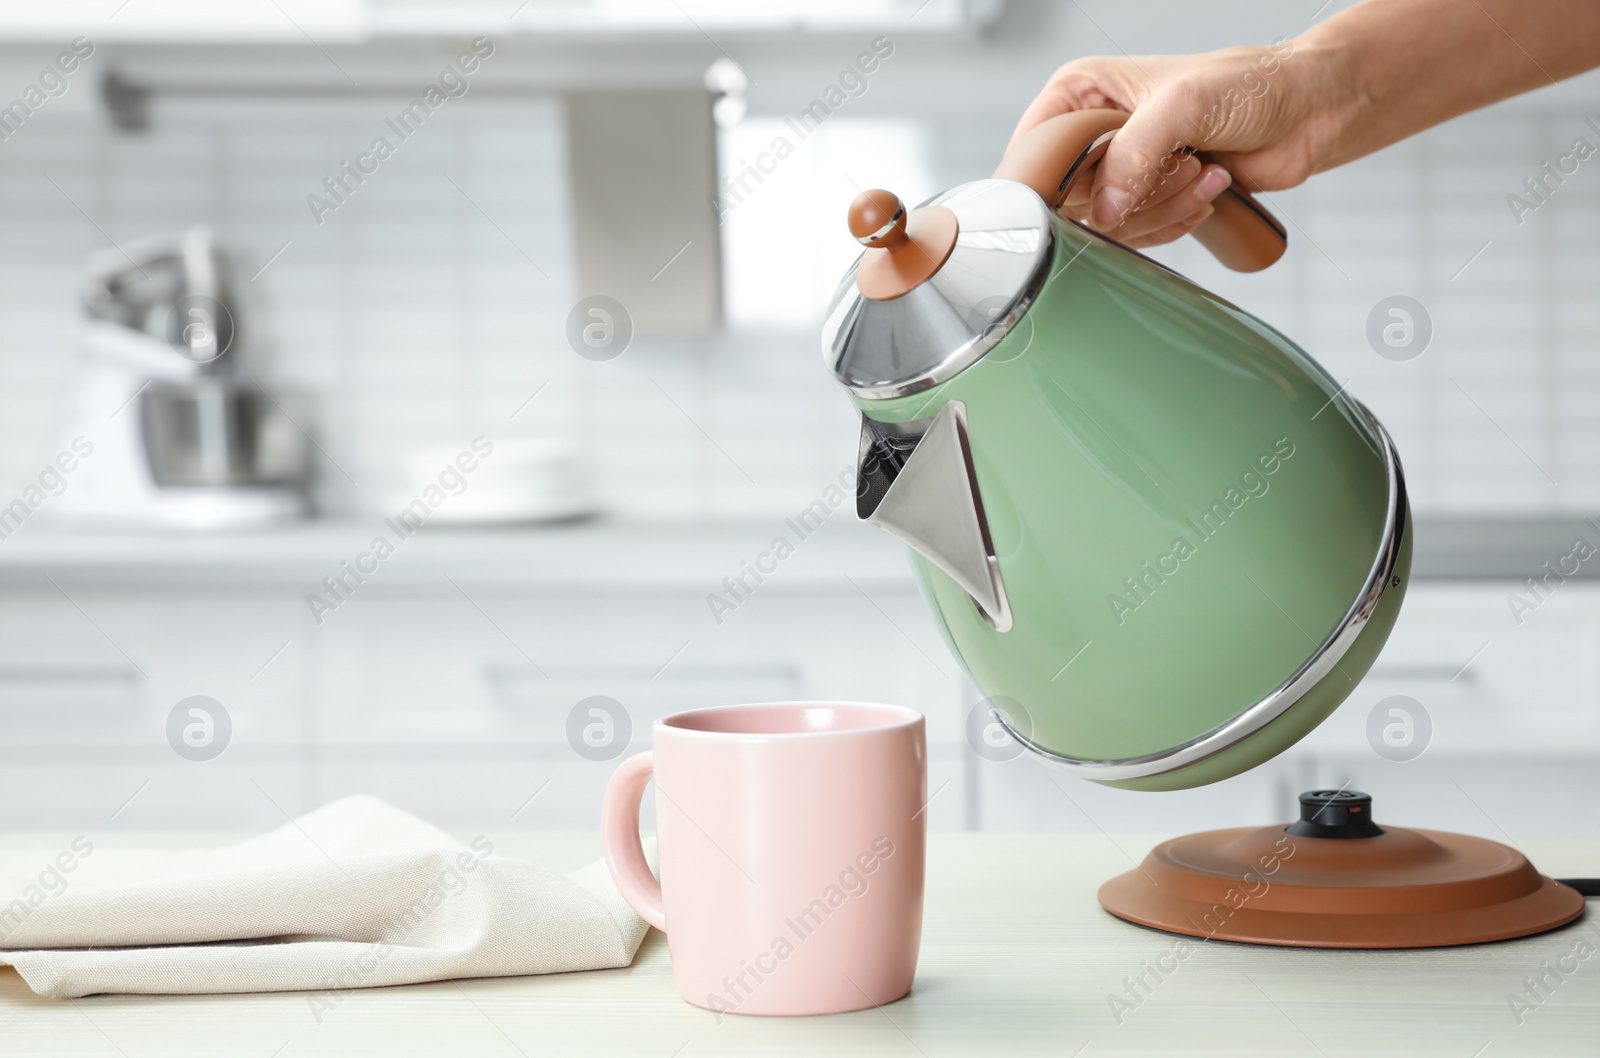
(893, 347)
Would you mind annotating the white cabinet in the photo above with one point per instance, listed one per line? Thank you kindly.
(88, 676)
(1490, 685)
(456, 703)
(446, 685)
(62, 683)
(91, 668)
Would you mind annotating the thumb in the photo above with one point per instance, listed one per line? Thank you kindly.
(1140, 157)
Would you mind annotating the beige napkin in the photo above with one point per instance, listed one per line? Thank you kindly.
(353, 895)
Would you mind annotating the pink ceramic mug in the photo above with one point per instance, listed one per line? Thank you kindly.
(791, 847)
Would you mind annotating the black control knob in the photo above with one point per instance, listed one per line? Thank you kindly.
(1335, 814)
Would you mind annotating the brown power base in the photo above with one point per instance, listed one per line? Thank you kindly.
(1337, 880)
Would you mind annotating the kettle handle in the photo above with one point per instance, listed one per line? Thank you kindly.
(1052, 155)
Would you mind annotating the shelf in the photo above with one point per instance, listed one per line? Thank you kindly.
(589, 555)
(651, 556)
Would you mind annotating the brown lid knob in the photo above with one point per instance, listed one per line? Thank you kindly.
(903, 248)
(878, 219)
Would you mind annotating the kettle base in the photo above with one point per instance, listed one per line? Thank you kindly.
(1310, 885)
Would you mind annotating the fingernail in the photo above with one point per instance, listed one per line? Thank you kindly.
(1213, 184)
(1198, 217)
(1111, 206)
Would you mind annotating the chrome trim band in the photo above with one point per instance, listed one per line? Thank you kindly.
(1322, 661)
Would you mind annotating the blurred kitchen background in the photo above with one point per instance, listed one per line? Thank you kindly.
(491, 670)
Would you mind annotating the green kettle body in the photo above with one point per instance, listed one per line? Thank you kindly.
(1198, 542)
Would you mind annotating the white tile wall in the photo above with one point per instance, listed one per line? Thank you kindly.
(419, 317)
(418, 322)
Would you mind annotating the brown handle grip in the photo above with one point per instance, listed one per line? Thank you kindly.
(1052, 156)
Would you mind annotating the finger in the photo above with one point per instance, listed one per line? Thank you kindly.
(1184, 170)
(1172, 232)
(1213, 181)
(1083, 84)
(1179, 174)
(1128, 174)
(1053, 99)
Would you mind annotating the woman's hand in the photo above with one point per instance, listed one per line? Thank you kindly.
(1367, 77)
(1265, 117)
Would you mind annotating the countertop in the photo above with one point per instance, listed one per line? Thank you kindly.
(586, 555)
(1017, 958)
(604, 553)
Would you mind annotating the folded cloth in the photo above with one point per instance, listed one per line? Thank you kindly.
(353, 895)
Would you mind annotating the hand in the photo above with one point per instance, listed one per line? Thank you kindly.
(1266, 117)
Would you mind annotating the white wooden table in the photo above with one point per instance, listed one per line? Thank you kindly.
(1017, 958)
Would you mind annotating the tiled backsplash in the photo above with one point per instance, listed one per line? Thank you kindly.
(430, 306)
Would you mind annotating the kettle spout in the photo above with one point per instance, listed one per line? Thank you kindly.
(916, 482)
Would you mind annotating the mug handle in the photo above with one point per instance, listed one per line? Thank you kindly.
(619, 834)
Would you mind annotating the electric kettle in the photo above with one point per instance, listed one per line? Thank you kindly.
(1156, 534)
